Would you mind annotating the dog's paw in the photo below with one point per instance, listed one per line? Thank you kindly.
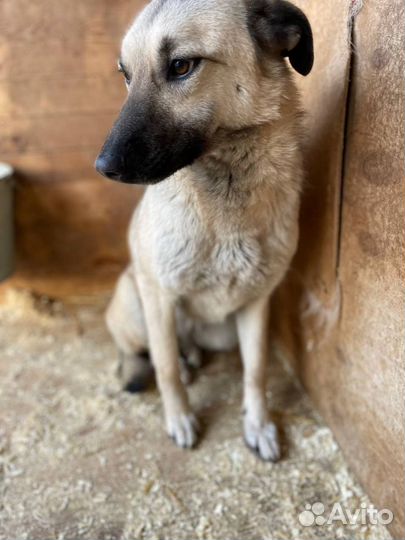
(186, 374)
(183, 429)
(194, 358)
(188, 364)
(262, 439)
(135, 372)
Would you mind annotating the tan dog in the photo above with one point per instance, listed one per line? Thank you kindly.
(212, 111)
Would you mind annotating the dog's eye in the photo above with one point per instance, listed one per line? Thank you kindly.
(122, 70)
(180, 68)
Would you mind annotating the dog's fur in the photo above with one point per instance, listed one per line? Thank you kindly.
(211, 242)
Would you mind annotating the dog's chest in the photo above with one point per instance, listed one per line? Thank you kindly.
(192, 264)
(211, 272)
(216, 259)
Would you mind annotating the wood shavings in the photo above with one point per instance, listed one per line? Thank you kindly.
(81, 460)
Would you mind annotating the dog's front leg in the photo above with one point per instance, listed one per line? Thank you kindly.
(159, 314)
(260, 433)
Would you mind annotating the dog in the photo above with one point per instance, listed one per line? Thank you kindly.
(213, 124)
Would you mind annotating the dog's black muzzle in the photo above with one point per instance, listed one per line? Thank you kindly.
(145, 146)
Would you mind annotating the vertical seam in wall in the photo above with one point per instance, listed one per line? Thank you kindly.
(355, 8)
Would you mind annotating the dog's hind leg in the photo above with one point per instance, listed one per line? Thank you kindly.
(125, 320)
(126, 323)
(190, 353)
(219, 337)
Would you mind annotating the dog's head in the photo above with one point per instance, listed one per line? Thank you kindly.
(193, 67)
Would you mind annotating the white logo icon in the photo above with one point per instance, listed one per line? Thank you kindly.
(312, 514)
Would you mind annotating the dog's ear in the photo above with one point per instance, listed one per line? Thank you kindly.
(280, 27)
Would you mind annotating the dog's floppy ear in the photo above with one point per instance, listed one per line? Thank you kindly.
(278, 26)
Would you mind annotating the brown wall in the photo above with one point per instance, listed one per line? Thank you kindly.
(340, 315)
(59, 93)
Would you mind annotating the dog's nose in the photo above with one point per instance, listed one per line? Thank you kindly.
(107, 166)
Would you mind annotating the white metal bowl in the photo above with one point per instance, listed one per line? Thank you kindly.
(6, 221)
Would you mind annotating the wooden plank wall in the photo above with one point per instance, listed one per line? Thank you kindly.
(339, 317)
(59, 93)
(370, 416)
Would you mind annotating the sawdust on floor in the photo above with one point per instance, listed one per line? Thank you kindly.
(79, 459)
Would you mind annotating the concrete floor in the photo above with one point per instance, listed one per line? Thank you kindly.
(79, 459)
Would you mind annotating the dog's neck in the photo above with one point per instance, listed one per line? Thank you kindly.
(236, 151)
(251, 159)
